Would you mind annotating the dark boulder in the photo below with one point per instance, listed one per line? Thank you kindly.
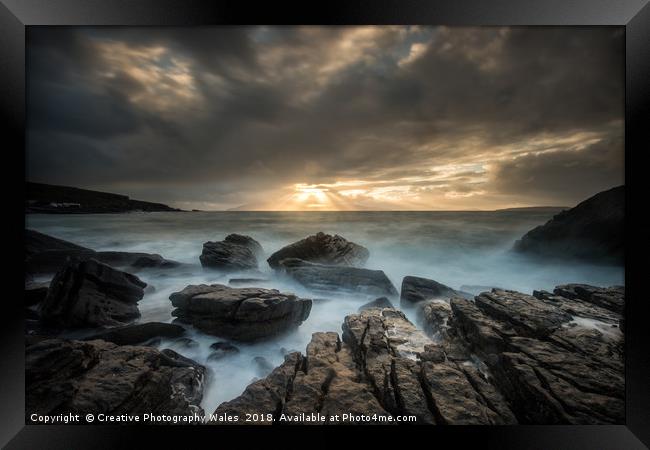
(244, 314)
(101, 377)
(234, 253)
(139, 333)
(221, 350)
(91, 294)
(321, 277)
(592, 231)
(322, 248)
(381, 302)
(416, 289)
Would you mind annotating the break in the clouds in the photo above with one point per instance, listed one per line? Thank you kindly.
(320, 118)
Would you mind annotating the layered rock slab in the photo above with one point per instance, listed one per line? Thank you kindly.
(376, 370)
(245, 314)
(320, 277)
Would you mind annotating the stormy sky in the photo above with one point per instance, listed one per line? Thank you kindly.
(328, 118)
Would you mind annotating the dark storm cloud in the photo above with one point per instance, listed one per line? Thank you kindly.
(208, 113)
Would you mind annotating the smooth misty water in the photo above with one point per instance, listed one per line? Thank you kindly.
(454, 248)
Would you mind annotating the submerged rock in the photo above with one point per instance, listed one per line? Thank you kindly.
(138, 333)
(235, 252)
(221, 350)
(332, 278)
(322, 248)
(417, 289)
(91, 294)
(45, 254)
(592, 231)
(381, 302)
(102, 377)
(244, 314)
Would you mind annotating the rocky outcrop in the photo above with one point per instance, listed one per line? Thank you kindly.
(46, 255)
(556, 359)
(101, 377)
(323, 248)
(244, 314)
(235, 252)
(139, 333)
(91, 294)
(593, 231)
(503, 358)
(415, 290)
(322, 277)
(382, 368)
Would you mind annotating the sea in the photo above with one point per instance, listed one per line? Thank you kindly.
(466, 250)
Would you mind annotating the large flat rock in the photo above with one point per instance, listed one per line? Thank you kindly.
(244, 314)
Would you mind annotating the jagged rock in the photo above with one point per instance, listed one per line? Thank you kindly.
(331, 278)
(375, 370)
(35, 292)
(593, 231)
(102, 377)
(553, 357)
(505, 358)
(91, 294)
(235, 252)
(381, 302)
(435, 315)
(416, 289)
(244, 314)
(45, 254)
(221, 350)
(322, 248)
(611, 298)
(138, 333)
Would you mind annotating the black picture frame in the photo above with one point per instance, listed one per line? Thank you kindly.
(634, 15)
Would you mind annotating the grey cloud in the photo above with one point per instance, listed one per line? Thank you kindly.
(259, 125)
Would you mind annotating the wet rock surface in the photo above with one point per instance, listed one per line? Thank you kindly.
(323, 248)
(374, 370)
(322, 277)
(235, 252)
(502, 358)
(91, 294)
(101, 377)
(245, 314)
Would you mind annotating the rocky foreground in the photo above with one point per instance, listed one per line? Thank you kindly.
(499, 357)
(502, 358)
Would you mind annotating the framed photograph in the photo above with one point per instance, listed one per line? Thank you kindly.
(355, 214)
